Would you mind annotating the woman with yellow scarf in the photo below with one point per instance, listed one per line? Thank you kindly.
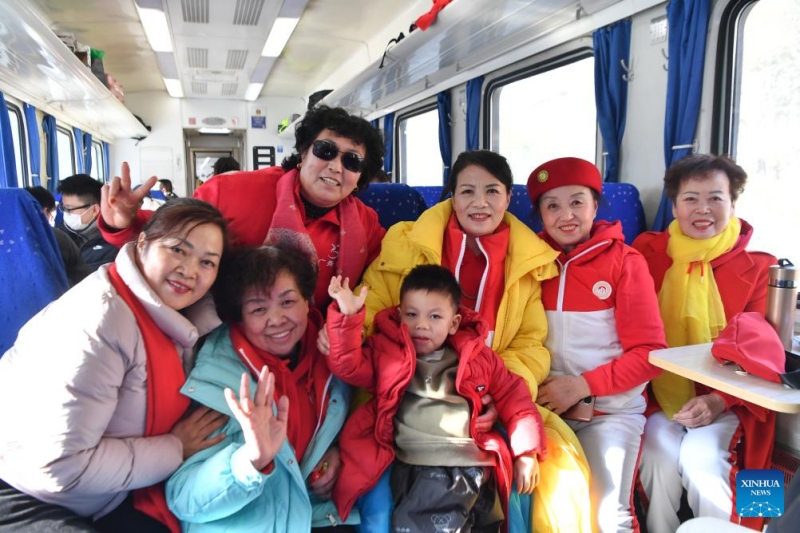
(703, 276)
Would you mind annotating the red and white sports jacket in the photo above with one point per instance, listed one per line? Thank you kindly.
(603, 318)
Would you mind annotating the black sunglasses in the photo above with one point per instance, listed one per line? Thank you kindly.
(328, 151)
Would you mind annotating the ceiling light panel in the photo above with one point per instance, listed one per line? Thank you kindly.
(278, 36)
(195, 11)
(156, 28)
(247, 12)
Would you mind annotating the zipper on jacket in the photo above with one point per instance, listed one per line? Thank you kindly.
(562, 283)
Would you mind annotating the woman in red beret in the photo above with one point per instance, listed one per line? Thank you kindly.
(603, 321)
(704, 276)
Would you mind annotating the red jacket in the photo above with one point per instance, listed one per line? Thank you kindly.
(741, 277)
(385, 366)
(248, 200)
(603, 318)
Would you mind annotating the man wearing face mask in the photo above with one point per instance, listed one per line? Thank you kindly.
(80, 204)
(70, 254)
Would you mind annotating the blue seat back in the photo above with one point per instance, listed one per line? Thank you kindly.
(394, 202)
(431, 193)
(620, 202)
(30, 263)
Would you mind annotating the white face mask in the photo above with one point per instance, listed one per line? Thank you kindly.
(74, 223)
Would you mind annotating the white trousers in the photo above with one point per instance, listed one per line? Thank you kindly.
(676, 458)
(611, 444)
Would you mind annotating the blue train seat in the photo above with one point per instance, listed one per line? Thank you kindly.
(431, 193)
(394, 202)
(620, 202)
(30, 263)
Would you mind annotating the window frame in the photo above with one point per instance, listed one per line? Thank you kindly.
(490, 128)
(426, 106)
(728, 77)
(97, 162)
(70, 136)
(22, 153)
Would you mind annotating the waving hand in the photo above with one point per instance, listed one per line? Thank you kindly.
(263, 432)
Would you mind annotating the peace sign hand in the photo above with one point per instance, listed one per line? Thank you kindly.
(119, 203)
(263, 432)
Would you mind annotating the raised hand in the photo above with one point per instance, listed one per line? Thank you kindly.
(263, 432)
(119, 203)
(194, 430)
(349, 303)
(526, 473)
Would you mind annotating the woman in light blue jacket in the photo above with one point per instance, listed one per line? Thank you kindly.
(276, 468)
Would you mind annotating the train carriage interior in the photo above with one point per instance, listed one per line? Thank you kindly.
(171, 86)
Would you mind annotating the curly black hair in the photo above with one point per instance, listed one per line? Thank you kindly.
(343, 123)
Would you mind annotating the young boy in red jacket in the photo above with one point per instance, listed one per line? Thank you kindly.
(427, 367)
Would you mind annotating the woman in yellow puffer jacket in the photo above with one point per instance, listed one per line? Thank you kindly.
(500, 264)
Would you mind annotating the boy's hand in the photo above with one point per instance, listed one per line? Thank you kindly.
(526, 473)
(349, 303)
(323, 477)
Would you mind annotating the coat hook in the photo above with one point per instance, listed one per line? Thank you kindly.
(628, 76)
(666, 57)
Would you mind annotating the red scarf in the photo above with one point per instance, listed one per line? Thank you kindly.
(288, 229)
(471, 269)
(304, 386)
(165, 403)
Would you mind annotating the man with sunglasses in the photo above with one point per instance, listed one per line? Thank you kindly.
(80, 207)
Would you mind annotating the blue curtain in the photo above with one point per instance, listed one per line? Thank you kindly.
(445, 143)
(388, 139)
(33, 143)
(106, 163)
(87, 153)
(688, 23)
(474, 112)
(51, 159)
(612, 45)
(79, 149)
(8, 160)
(374, 123)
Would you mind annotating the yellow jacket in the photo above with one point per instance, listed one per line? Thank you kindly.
(562, 496)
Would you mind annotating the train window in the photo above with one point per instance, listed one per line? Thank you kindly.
(543, 113)
(766, 122)
(66, 151)
(419, 158)
(98, 169)
(17, 136)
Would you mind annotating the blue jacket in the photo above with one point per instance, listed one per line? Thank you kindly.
(218, 489)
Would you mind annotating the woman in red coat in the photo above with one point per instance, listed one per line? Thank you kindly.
(308, 202)
(704, 276)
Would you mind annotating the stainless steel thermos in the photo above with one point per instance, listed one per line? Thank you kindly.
(782, 300)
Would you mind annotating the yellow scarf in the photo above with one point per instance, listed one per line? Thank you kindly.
(690, 304)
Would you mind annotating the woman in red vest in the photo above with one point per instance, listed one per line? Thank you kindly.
(92, 418)
(704, 276)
